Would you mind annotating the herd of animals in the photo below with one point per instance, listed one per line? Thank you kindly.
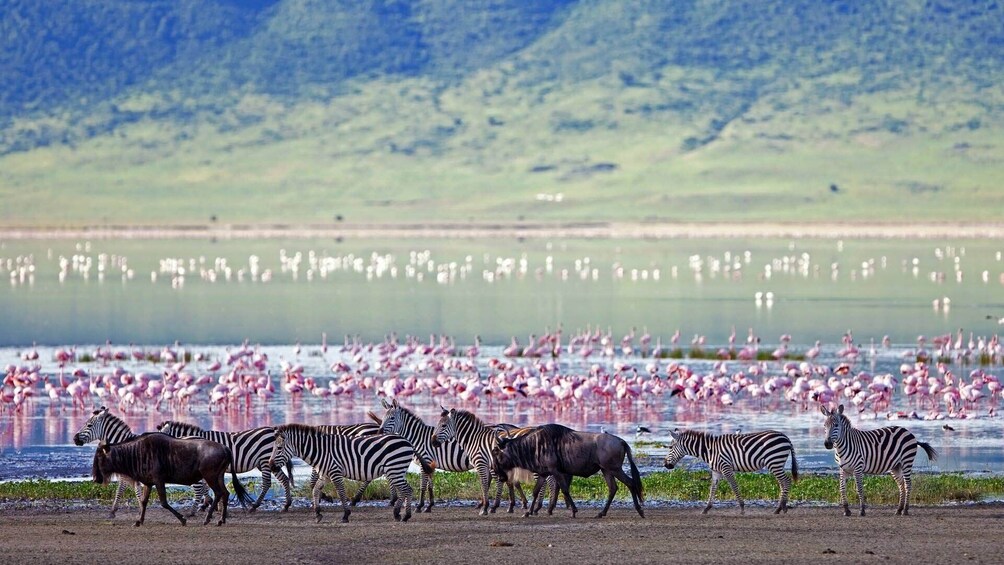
(548, 455)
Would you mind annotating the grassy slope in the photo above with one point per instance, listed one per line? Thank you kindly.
(630, 111)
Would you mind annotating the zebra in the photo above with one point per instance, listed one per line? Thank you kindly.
(337, 457)
(351, 430)
(729, 453)
(251, 449)
(109, 428)
(885, 450)
(447, 456)
(478, 440)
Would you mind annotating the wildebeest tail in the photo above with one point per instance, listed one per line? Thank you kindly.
(242, 494)
(374, 417)
(794, 467)
(932, 454)
(636, 483)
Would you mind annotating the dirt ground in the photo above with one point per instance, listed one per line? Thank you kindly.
(58, 534)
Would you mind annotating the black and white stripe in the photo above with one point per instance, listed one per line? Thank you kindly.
(251, 448)
(350, 430)
(732, 453)
(478, 440)
(885, 450)
(105, 426)
(446, 456)
(338, 457)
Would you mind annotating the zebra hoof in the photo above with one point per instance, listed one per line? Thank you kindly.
(319, 519)
(862, 512)
(111, 515)
(427, 510)
(407, 516)
(138, 523)
(600, 515)
(220, 523)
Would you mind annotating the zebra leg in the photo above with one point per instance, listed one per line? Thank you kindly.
(499, 480)
(359, 493)
(897, 474)
(266, 483)
(286, 487)
(315, 495)
(401, 485)
(907, 487)
(859, 482)
(431, 497)
(142, 504)
(715, 477)
(199, 495)
(314, 476)
(118, 495)
(784, 482)
(486, 482)
(843, 492)
(340, 488)
(611, 491)
(731, 478)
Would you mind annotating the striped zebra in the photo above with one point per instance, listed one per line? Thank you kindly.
(105, 426)
(447, 456)
(729, 453)
(351, 430)
(339, 457)
(885, 450)
(478, 440)
(251, 448)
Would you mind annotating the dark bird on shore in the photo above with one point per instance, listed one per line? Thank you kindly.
(642, 430)
(948, 428)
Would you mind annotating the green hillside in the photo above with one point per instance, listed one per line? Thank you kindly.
(304, 111)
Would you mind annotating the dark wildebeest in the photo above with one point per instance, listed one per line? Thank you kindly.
(554, 450)
(155, 459)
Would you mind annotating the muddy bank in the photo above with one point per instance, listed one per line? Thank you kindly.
(57, 533)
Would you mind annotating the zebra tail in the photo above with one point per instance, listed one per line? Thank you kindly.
(374, 417)
(932, 454)
(242, 494)
(428, 467)
(635, 475)
(794, 467)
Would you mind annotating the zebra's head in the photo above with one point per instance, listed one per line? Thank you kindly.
(280, 450)
(835, 422)
(93, 428)
(393, 418)
(446, 427)
(676, 451)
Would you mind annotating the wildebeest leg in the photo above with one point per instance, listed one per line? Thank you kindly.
(536, 496)
(564, 483)
(221, 496)
(611, 491)
(162, 493)
(142, 504)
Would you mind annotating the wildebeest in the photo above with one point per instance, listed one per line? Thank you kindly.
(554, 450)
(155, 459)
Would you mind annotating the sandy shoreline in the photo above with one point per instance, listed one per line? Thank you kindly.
(943, 534)
(571, 230)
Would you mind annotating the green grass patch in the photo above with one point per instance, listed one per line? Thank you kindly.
(689, 486)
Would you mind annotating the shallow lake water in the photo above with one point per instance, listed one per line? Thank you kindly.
(207, 298)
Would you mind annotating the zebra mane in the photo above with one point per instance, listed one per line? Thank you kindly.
(408, 413)
(112, 419)
(184, 427)
(302, 428)
(468, 417)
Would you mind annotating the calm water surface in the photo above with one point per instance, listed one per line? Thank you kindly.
(209, 296)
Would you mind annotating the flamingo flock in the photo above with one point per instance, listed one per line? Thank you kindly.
(592, 369)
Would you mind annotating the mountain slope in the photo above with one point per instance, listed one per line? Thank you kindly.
(302, 110)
